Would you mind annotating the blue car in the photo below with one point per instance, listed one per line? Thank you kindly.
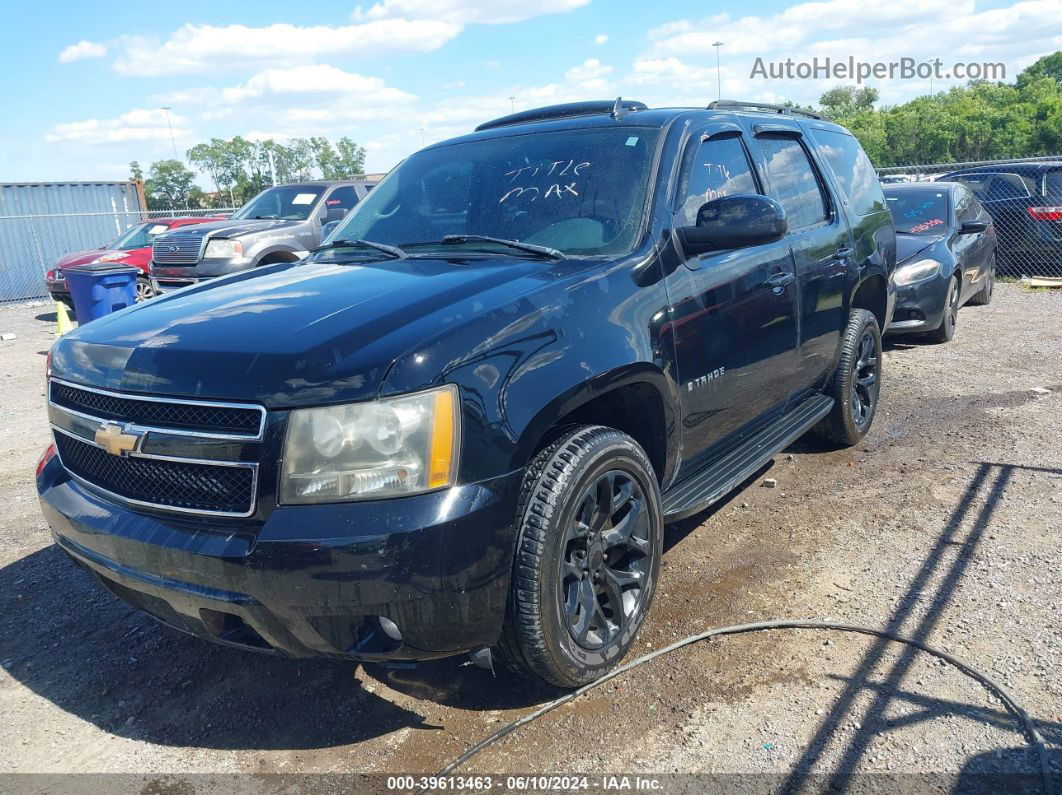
(945, 254)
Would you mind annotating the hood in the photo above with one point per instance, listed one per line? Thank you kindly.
(290, 334)
(84, 257)
(908, 246)
(228, 228)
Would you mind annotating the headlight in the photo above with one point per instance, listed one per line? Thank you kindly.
(382, 448)
(223, 249)
(916, 272)
(115, 256)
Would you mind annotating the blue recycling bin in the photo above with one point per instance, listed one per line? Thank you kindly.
(100, 288)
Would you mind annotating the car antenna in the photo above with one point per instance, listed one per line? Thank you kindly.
(617, 109)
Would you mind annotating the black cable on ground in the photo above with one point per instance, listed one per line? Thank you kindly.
(1032, 733)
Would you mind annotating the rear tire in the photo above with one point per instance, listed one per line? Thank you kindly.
(945, 332)
(588, 553)
(855, 383)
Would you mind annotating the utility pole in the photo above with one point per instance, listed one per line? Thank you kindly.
(422, 136)
(512, 103)
(718, 74)
(173, 143)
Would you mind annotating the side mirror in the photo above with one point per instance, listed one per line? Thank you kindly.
(738, 221)
(972, 227)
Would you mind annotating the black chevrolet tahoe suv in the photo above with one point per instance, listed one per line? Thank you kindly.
(462, 423)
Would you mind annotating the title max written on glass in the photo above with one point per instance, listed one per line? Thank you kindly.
(459, 425)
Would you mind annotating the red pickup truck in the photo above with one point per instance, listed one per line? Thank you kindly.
(132, 247)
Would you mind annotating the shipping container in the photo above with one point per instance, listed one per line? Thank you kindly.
(42, 221)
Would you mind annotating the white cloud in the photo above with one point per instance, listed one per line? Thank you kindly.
(141, 124)
(487, 12)
(601, 38)
(952, 30)
(589, 69)
(200, 48)
(83, 49)
(317, 79)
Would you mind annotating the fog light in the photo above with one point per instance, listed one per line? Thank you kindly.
(390, 628)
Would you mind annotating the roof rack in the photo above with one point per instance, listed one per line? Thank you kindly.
(615, 108)
(737, 104)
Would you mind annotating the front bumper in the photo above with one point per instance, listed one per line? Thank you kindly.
(167, 278)
(309, 580)
(919, 307)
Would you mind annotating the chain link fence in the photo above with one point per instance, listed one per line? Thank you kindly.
(31, 244)
(1024, 198)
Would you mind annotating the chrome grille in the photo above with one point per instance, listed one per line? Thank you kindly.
(176, 249)
(188, 486)
(177, 455)
(181, 415)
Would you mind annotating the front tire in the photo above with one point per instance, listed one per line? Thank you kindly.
(983, 297)
(144, 292)
(945, 332)
(855, 383)
(587, 557)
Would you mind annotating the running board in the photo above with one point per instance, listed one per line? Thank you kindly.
(715, 481)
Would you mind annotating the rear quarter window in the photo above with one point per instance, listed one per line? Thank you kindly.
(854, 172)
(1053, 183)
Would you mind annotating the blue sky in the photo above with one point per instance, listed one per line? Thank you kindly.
(83, 82)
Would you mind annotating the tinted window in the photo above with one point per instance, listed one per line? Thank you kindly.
(918, 212)
(711, 169)
(580, 191)
(794, 182)
(996, 187)
(965, 210)
(854, 172)
(342, 198)
(1053, 183)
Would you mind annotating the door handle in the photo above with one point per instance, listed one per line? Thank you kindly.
(778, 280)
(843, 252)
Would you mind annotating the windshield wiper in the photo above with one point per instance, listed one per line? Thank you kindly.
(544, 251)
(394, 251)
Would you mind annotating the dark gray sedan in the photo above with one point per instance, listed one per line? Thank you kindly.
(945, 254)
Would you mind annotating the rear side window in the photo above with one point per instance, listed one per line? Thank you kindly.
(713, 168)
(794, 181)
(1053, 183)
(994, 187)
(853, 169)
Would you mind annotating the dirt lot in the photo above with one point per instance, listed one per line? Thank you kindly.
(943, 525)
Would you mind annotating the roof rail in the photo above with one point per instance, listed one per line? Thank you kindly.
(737, 104)
(603, 107)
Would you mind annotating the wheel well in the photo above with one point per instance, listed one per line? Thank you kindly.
(277, 256)
(871, 296)
(635, 409)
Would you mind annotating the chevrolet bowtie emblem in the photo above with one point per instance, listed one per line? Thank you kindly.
(115, 441)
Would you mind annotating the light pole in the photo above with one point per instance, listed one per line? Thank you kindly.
(173, 143)
(512, 103)
(718, 74)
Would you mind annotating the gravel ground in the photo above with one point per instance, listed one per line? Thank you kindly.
(943, 525)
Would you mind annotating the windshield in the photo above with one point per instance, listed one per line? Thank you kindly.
(919, 212)
(138, 236)
(577, 191)
(287, 202)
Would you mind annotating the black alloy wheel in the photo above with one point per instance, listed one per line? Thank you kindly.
(865, 381)
(605, 560)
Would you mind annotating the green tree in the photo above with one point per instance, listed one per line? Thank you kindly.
(168, 185)
(845, 101)
(135, 171)
(351, 157)
(1048, 66)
